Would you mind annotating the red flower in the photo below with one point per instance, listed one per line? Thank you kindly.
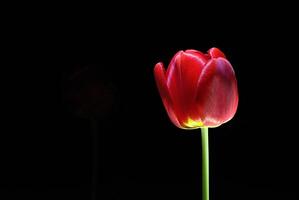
(198, 90)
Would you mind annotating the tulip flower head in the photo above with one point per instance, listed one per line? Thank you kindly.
(198, 90)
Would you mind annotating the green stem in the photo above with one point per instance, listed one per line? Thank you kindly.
(205, 163)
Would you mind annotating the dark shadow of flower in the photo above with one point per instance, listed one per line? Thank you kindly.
(88, 92)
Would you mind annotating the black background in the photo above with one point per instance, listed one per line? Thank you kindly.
(141, 154)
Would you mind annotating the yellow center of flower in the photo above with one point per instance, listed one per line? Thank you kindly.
(193, 124)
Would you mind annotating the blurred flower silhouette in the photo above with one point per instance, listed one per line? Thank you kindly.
(88, 93)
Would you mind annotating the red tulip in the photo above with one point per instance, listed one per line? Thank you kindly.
(198, 90)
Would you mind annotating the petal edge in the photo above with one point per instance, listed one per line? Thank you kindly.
(159, 73)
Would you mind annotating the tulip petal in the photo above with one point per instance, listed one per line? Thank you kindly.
(159, 73)
(182, 79)
(217, 95)
(216, 53)
(203, 58)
